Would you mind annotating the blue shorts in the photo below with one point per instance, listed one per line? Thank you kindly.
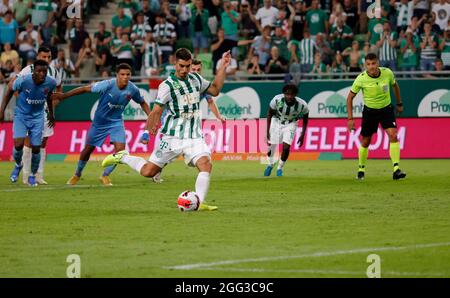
(27, 126)
(199, 41)
(97, 134)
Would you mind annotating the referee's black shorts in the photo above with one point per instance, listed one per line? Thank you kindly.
(372, 117)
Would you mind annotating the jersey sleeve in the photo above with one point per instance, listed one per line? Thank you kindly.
(101, 87)
(163, 95)
(18, 83)
(305, 109)
(356, 85)
(391, 77)
(273, 103)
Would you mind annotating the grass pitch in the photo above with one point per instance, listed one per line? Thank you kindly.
(316, 221)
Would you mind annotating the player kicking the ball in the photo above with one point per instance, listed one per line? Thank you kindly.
(115, 94)
(284, 111)
(374, 83)
(182, 129)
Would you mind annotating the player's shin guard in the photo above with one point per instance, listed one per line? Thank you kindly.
(271, 154)
(26, 159)
(18, 154)
(109, 170)
(135, 162)
(362, 157)
(80, 167)
(35, 160)
(202, 185)
(394, 152)
(40, 171)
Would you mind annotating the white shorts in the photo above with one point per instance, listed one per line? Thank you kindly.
(171, 147)
(282, 133)
(48, 131)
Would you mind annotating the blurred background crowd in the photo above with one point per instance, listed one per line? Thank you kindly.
(285, 37)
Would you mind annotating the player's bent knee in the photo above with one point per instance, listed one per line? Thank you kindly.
(149, 171)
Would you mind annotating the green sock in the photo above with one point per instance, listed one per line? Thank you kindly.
(362, 156)
(394, 152)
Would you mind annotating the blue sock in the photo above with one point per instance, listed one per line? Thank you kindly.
(109, 170)
(35, 160)
(80, 167)
(18, 156)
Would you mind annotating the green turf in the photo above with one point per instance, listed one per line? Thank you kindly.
(317, 214)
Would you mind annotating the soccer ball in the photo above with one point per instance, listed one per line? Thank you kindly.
(188, 201)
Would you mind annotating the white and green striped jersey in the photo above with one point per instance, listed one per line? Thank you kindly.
(388, 53)
(151, 55)
(288, 114)
(307, 47)
(138, 34)
(52, 72)
(181, 98)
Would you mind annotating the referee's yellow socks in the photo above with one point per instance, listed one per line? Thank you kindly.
(394, 152)
(362, 157)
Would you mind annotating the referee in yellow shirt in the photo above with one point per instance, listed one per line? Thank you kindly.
(375, 83)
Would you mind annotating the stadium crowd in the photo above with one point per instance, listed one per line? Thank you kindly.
(265, 37)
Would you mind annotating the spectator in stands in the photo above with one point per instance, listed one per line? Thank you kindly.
(387, 47)
(152, 57)
(355, 57)
(442, 11)
(390, 12)
(338, 66)
(286, 22)
(122, 20)
(341, 35)
(409, 47)
(77, 37)
(165, 9)
(374, 33)
(21, 11)
(307, 48)
(9, 54)
(351, 13)
(319, 67)
(115, 43)
(5, 5)
(435, 28)
(9, 30)
(184, 15)
(130, 7)
(416, 25)
(253, 66)
(444, 47)
(299, 20)
(247, 28)
(62, 20)
(63, 65)
(276, 64)
(324, 48)
(404, 14)
(165, 35)
(29, 41)
(199, 28)
(266, 15)
(231, 69)
(262, 46)
(279, 41)
(138, 35)
(102, 38)
(421, 7)
(428, 45)
(149, 16)
(362, 12)
(337, 13)
(230, 20)
(214, 8)
(85, 64)
(43, 15)
(169, 67)
(8, 70)
(124, 51)
(317, 20)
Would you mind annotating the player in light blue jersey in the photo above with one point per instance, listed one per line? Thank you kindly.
(34, 91)
(115, 94)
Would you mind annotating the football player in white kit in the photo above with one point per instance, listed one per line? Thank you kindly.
(284, 111)
(45, 54)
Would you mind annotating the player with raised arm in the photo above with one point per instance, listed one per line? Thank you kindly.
(375, 83)
(182, 131)
(115, 94)
(34, 91)
(284, 111)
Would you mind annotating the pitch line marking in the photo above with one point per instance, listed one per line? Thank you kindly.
(320, 271)
(303, 256)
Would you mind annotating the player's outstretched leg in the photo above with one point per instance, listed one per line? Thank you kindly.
(104, 178)
(17, 154)
(82, 162)
(271, 157)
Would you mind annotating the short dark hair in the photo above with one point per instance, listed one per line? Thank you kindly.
(40, 63)
(290, 89)
(371, 56)
(123, 66)
(183, 54)
(196, 62)
(44, 49)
